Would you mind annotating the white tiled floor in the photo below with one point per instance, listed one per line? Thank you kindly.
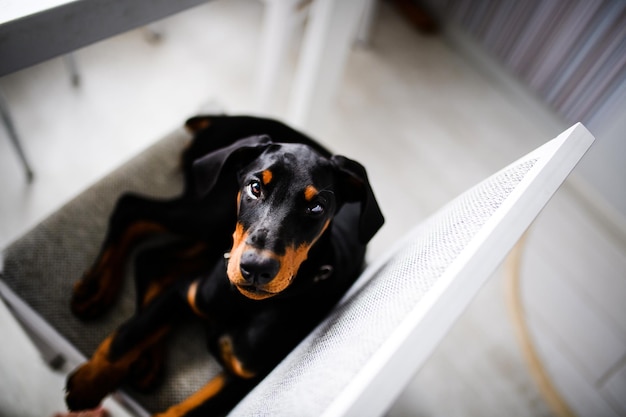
(424, 122)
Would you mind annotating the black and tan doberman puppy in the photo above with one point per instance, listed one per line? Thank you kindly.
(293, 221)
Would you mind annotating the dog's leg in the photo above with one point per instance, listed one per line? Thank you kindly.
(146, 373)
(216, 398)
(236, 353)
(114, 358)
(88, 385)
(247, 355)
(134, 220)
(159, 267)
(156, 270)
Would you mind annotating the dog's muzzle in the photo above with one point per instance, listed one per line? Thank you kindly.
(258, 269)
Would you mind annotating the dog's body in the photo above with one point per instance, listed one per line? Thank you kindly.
(294, 222)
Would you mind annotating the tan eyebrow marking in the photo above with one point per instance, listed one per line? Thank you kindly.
(266, 176)
(310, 192)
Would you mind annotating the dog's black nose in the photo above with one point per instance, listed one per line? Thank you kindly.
(258, 269)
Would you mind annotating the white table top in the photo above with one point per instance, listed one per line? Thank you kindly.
(11, 10)
(32, 31)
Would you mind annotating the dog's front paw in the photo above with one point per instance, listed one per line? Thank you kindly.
(87, 386)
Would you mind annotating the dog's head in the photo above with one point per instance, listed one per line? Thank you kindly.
(287, 195)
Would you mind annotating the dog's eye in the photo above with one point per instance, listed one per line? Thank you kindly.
(315, 209)
(253, 190)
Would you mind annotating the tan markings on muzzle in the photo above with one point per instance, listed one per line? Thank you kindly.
(239, 245)
(233, 270)
(289, 264)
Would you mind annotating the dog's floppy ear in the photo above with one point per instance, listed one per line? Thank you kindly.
(354, 186)
(210, 168)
